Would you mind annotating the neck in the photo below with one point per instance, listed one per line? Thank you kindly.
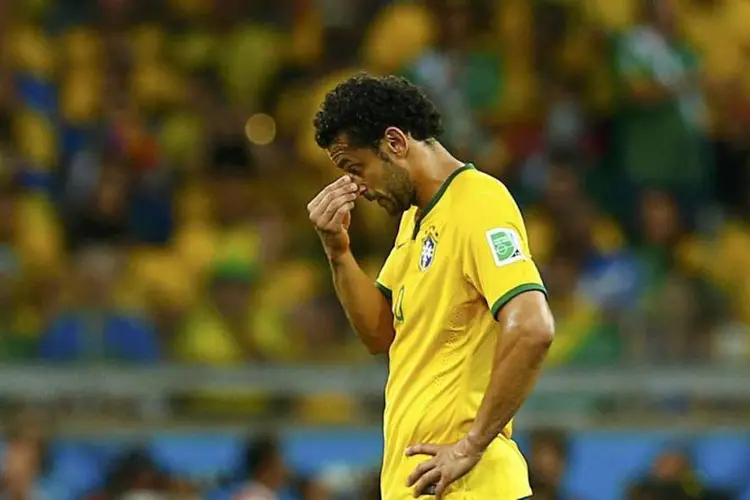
(437, 165)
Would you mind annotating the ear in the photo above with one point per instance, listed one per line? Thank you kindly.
(396, 142)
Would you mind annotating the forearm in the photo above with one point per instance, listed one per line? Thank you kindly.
(369, 312)
(515, 371)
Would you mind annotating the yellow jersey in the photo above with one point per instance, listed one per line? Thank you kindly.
(447, 276)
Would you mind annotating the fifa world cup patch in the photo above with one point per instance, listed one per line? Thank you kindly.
(505, 245)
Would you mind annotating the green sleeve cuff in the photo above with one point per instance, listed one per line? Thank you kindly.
(509, 295)
(385, 291)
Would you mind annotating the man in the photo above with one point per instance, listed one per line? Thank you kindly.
(266, 472)
(458, 306)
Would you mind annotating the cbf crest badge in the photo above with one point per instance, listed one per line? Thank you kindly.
(429, 245)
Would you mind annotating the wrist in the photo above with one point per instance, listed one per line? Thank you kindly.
(337, 257)
(478, 441)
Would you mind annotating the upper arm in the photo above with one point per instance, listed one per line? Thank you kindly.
(528, 314)
(497, 258)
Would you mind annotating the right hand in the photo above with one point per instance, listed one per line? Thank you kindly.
(330, 213)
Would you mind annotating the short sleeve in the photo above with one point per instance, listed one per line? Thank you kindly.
(496, 256)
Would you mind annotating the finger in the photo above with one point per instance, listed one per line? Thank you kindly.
(329, 193)
(423, 449)
(426, 481)
(336, 210)
(349, 192)
(441, 488)
(338, 183)
(338, 217)
(419, 471)
(329, 204)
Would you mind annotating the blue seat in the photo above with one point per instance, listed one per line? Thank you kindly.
(723, 459)
(38, 94)
(602, 464)
(76, 466)
(310, 451)
(204, 456)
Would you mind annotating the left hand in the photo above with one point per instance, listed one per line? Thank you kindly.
(449, 463)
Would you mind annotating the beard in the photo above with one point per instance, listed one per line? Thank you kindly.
(399, 193)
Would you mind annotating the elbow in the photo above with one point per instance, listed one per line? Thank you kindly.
(377, 348)
(380, 343)
(537, 335)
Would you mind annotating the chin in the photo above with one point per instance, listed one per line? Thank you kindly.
(391, 206)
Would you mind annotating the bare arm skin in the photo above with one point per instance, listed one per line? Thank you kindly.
(368, 310)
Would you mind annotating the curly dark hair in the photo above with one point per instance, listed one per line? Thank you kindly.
(364, 106)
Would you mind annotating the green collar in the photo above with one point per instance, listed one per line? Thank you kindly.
(439, 194)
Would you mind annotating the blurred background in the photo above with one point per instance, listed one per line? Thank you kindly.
(167, 324)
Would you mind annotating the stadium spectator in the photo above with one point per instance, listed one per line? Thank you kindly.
(134, 476)
(228, 329)
(26, 461)
(308, 488)
(265, 470)
(99, 211)
(661, 126)
(547, 464)
(95, 328)
(15, 343)
(672, 476)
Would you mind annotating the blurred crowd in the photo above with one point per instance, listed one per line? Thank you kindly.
(156, 159)
(32, 467)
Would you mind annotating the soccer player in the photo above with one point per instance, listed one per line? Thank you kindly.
(459, 305)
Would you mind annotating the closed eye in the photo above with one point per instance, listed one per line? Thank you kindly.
(354, 170)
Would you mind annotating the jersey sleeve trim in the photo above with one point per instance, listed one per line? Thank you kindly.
(511, 294)
(384, 290)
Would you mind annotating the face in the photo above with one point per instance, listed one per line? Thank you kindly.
(671, 466)
(664, 16)
(548, 463)
(382, 175)
(562, 188)
(97, 273)
(111, 192)
(20, 467)
(659, 217)
(232, 298)
(316, 491)
(276, 472)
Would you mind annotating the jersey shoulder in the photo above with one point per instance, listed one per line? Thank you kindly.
(476, 191)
